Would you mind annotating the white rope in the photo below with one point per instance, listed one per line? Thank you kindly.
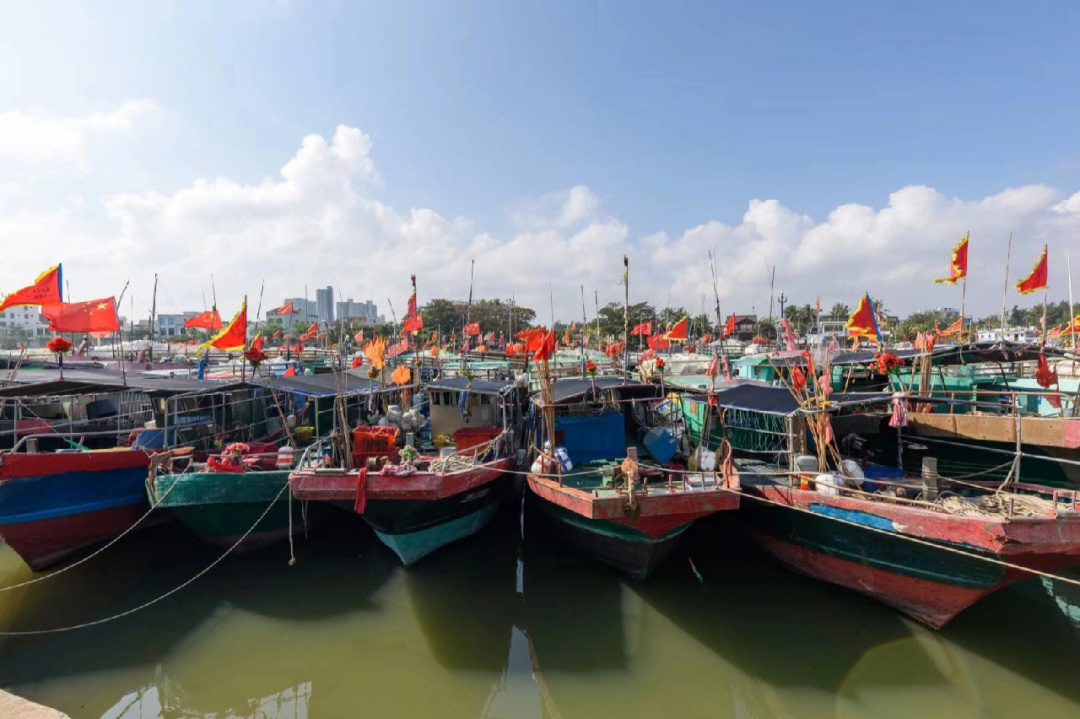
(174, 590)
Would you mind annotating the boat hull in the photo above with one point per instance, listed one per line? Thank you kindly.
(634, 540)
(929, 567)
(629, 551)
(53, 505)
(220, 507)
(415, 514)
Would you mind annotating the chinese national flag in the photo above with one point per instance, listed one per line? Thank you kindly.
(533, 338)
(234, 336)
(210, 320)
(645, 328)
(658, 342)
(1037, 279)
(678, 332)
(473, 330)
(92, 316)
(44, 291)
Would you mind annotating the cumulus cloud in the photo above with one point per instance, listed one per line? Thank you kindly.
(320, 221)
(34, 139)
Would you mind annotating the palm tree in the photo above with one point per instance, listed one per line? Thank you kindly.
(839, 311)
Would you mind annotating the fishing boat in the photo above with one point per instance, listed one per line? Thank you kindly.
(438, 482)
(604, 482)
(927, 545)
(74, 472)
(236, 496)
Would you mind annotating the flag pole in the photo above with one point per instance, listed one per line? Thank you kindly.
(1042, 342)
(1005, 294)
(1068, 262)
(626, 315)
(963, 305)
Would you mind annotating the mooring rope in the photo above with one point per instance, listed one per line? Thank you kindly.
(99, 550)
(152, 602)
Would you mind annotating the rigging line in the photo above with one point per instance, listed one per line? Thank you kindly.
(174, 590)
(99, 550)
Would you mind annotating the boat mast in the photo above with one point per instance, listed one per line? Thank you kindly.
(626, 315)
(1005, 293)
(1068, 262)
(153, 318)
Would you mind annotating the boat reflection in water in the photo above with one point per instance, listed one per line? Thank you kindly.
(499, 629)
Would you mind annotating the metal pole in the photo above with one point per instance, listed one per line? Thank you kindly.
(626, 316)
(1005, 293)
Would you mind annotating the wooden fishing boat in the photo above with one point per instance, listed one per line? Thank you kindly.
(75, 476)
(418, 506)
(927, 545)
(229, 493)
(629, 521)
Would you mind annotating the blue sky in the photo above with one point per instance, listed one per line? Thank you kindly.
(673, 115)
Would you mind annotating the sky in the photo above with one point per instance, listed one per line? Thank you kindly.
(282, 144)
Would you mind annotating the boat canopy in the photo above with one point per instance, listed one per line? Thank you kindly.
(324, 384)
(770, 399)
(480, 386)
(568, 390)
(38, 382)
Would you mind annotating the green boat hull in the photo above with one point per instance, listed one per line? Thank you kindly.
(222, 507)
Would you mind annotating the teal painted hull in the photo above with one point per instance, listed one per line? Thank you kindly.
(411, 547)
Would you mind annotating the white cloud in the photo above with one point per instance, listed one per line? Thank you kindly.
(320, 221)
(34, 139)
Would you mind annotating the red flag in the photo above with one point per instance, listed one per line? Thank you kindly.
(566, 338)
(473, 330)
(615, 349)
(413, 321)
(92, 316)
(706, 339)
(359, 337)
(729, 328)
(209, 320)
(234, 336)
(958, 262)
(286, 309)
(950, 330)
(277, 335)
(257, 343)
(658, 342)
(400, 348)
(290, 371)
(533, 338)
(817, 305)
(44, 291)
(1037, 279)
(678, 332)
(547, 347)
(862, 322)
(645, 328)
(357, 361)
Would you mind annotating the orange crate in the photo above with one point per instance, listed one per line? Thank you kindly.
(370, 442)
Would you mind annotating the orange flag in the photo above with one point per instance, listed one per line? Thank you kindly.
(546, 348)
(958, 262)
(678, 332)
(234, 335)
(92, 316)
(1037, 279)
(44, 291)
(376, 352)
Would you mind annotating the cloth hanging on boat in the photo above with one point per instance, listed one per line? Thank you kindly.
(360, 503)
(899, 416)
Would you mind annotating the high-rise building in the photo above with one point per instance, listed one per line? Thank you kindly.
(324, 304)
(365, 312)
(305, 310)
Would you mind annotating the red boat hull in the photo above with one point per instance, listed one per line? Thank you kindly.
(47, 541)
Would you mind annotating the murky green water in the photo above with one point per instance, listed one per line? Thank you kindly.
(490, 629)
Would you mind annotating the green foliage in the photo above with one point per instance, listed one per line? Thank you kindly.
(493, 316)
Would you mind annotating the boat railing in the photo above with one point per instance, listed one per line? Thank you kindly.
(26, 438)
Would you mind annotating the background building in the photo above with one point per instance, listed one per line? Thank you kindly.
(324, 304)
(366, 312)
(23, 323)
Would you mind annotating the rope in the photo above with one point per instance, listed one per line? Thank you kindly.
(174, 590)
(99, 550)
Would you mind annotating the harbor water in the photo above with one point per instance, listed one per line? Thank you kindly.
(499, 627)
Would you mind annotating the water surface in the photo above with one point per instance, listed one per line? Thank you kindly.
(492, 627)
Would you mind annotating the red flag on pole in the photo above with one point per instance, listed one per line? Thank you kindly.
(958, 262)
(473, 330)
(645, 328)
(92, 316)
(729, 328)
(45, 291)
(209, 320)
(234, 336)
(678, 332)
(413, 321)
(1037, 279)
(546, 348)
